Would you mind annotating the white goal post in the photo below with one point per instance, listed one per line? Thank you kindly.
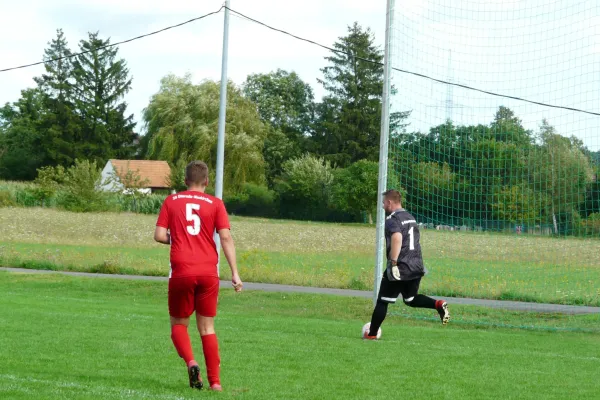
(383, 146)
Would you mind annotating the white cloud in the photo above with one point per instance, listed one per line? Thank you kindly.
(148, 7)
(488, 49)
(196, 46)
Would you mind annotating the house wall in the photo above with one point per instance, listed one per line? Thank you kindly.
(106, 174)
(140, 190)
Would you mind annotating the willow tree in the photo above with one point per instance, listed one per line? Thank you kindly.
(182, 122)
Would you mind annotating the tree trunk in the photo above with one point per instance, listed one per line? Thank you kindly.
(554, 220)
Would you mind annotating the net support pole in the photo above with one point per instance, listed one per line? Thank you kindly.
(222, 113)
(383, 147)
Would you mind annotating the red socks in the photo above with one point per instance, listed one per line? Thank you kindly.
(210, 346)
(181, 340)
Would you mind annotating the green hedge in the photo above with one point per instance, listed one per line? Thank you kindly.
(252, 201)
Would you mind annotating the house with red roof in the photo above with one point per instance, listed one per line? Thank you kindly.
(149, 175)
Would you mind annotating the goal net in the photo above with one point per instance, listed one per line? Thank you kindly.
(494, 140)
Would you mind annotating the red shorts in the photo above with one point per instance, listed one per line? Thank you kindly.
(199, 293)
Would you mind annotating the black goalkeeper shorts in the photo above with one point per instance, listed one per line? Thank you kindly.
(389, 291)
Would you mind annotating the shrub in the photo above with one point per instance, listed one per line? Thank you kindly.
(355, 190)
(177, 178)
(148, 204)
(253, 200)
(74, 189)
(82, 184)
(304, 188)
(6, 199)
(591, 225)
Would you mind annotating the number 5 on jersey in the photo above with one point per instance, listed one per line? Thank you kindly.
(192, 217)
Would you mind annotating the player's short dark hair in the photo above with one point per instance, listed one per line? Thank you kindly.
(393, 195)
(196, 173)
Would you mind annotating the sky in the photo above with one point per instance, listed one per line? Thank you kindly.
(546, 51)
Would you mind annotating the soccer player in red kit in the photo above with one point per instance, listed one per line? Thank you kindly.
(188, 221)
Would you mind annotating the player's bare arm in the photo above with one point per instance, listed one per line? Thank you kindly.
(161, 235)
(396, 246)
(229, 250)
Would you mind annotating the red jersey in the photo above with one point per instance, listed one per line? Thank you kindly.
(192, 218)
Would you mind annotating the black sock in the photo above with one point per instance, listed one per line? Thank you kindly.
(378, 316)
(422, 301)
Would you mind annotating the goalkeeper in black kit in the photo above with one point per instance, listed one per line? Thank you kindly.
(404, 266)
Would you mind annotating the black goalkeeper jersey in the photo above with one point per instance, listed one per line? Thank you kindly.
(410, 261)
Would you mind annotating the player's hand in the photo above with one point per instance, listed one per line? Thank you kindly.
(392, 271)
(236, 282)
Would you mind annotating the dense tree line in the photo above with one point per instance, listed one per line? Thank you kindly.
(75, 111)
(289, 155)
(498, 175)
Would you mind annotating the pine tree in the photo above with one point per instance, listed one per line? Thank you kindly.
(349, 122)
(56, 81)
(58, 124)
(102, 81)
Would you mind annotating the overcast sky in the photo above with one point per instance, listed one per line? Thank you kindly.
(546, 51)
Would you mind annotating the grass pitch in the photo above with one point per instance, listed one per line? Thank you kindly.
(489, 266)
(90, 338)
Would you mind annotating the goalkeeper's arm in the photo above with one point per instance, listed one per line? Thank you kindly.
(395, 248)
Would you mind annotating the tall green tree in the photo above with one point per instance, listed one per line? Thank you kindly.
(39, 128)
(278, 148)
(349, 117)
(286, 103)
(59, 124)
(507, 127)
(57, 81)
(561, 171)
(182, 122)
(20, 150)
(432, 191)
(518, 204)
(591, 205)
(481, 160)
(102, 80)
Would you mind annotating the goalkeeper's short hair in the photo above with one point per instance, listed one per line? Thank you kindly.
(393, 195)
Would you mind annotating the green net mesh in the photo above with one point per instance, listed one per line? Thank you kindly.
(506, 189)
